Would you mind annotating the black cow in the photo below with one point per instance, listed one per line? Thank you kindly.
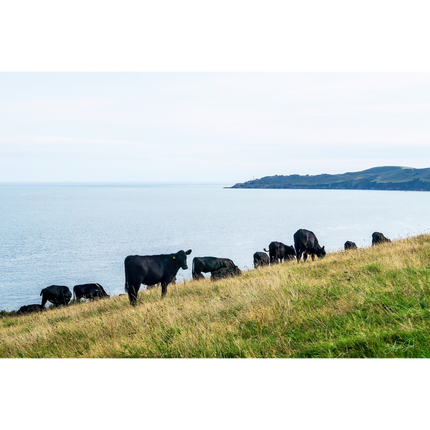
(378, 238)
(279, 252)
(56, 294)
(209, 264)
(88, 291)
(28, 309)
(225, 273)
(349, 245)
(307, 243)
(152, 269)
(261, 259)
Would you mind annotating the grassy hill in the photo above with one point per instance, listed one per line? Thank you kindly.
(377, 178)
(372, 302)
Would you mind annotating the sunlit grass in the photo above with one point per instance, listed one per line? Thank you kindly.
(371, 302)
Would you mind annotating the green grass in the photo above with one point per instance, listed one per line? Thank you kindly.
(371, 302)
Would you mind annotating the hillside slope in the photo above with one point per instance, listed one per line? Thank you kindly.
(377, 178)
(372, 302)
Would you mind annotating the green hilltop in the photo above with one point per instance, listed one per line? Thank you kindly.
(378, 178)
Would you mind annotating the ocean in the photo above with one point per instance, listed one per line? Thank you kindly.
(74, 234)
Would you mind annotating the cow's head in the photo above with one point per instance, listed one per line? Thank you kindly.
(181, 257)
(321, 252)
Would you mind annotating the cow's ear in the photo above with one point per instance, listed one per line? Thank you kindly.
(188, 252)
(323, 247)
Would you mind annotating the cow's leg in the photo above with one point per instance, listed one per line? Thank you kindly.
(299, 256)
(305, 256)
(313, 257)
(132, 294)
(198, 275)
(163, 289)
(165, 282)
(44, 300)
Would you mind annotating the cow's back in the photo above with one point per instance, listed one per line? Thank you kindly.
(56, 290)
(276, 251)
(276, 247)
(89, 290)
(56, 294)
(29, 309)
(210, 264)
(136, 268)
(149, 269)
(349, 245)
(305, 239)
(225, 272)
(379, 238)
(261, 259)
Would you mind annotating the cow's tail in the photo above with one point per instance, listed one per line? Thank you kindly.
(265, 250)
(74, 294)
(192, 269)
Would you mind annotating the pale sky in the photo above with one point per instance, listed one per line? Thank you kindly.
(209, 127)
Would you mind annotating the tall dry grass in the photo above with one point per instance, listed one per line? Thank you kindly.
(371, 302)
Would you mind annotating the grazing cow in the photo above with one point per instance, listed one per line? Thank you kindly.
(279, 252)
(28, 309)
(56, 294)
(378, 238)
(261, 259)
(349, 245)
(307, 243)
(88, 291)
(152, 269)
(209, 264)
(225, 273)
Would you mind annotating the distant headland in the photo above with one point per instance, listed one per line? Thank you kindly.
(394, 178)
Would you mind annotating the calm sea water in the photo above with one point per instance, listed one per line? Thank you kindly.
(69, 235)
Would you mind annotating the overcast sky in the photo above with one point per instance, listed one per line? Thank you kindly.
(209, 127)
